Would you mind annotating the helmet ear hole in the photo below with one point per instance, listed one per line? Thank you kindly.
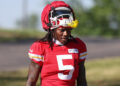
(49, 24)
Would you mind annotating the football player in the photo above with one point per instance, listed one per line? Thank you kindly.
(58, 57)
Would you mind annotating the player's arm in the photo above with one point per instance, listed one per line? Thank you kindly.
(33, 74)
(81, 80)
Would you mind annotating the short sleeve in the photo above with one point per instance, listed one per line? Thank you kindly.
(82, 50)
(36, 53)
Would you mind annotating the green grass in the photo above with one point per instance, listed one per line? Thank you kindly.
(14, 78)
(16, 35)
(101, 72)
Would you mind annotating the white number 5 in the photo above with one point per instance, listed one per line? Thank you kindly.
(64, 67)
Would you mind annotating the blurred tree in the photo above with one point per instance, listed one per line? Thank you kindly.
(32, 22)
(102, 19)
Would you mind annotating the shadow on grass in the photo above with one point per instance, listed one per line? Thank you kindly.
(112, 82)
(115, 84)
(13, 80)
(10, 79)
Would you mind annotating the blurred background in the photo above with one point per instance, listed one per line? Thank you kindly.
(99, 28)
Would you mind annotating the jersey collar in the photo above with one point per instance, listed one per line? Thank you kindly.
(57, 42)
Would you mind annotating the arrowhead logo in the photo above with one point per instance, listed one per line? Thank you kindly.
(31, 50)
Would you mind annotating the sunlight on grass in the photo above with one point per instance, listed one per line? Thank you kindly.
(103, 72)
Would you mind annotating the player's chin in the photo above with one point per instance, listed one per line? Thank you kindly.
(64, 40)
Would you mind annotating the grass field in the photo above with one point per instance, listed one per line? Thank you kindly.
(105, 72)
(16, 35)
(102, 72)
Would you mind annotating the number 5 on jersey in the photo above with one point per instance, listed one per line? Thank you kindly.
(62, 67)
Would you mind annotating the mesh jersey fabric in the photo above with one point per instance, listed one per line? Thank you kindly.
(60, 65)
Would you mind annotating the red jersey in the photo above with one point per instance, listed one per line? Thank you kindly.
(60, 64)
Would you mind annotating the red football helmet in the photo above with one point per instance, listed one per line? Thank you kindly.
(57, 14)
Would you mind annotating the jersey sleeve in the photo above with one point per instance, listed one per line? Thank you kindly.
(36, 53)
(82, 50)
